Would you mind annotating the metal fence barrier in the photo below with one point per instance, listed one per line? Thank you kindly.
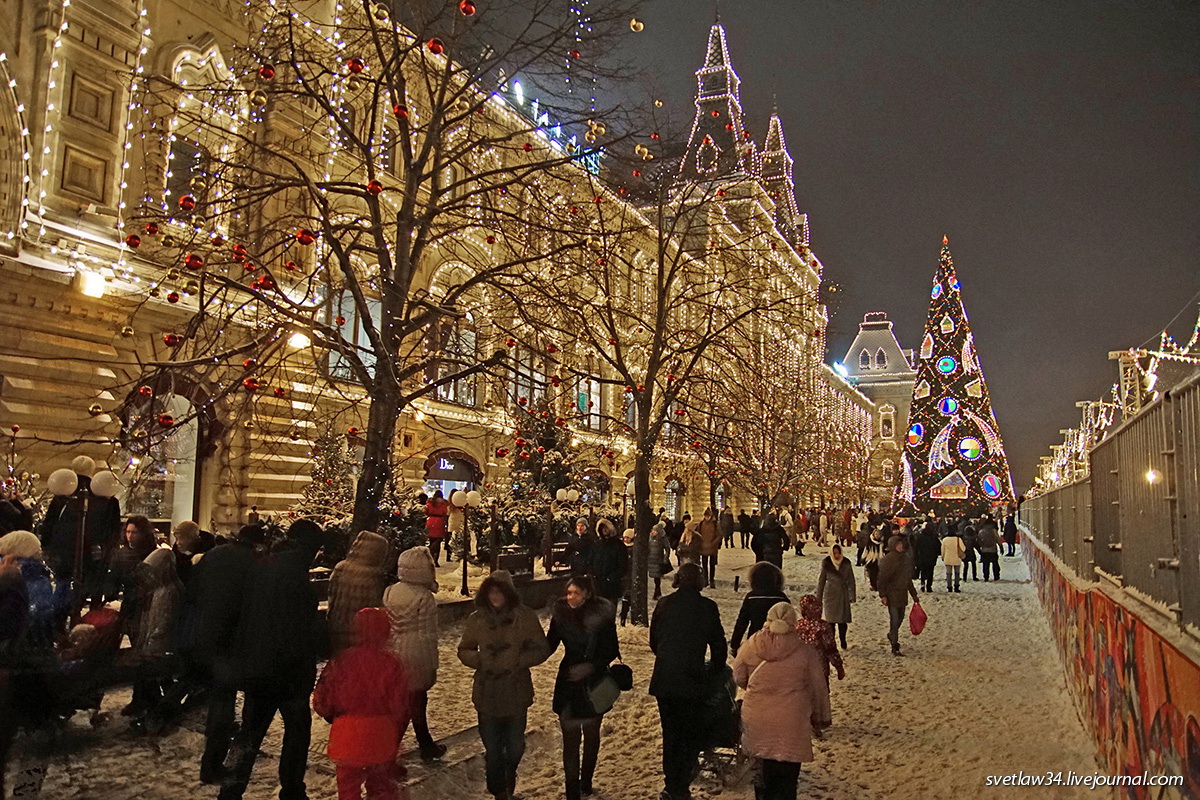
(1137, 518)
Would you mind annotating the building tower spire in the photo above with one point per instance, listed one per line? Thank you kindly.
(719, 146)
(776, 174)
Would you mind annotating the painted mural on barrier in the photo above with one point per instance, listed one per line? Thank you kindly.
(1139, 693)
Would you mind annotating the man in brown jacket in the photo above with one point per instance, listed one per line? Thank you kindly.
(895, 586)
(501, 641)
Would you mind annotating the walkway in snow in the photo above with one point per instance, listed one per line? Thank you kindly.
(979, 693)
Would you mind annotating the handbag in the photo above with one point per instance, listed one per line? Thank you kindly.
(623, 675)
(603, 693)
(917, 619)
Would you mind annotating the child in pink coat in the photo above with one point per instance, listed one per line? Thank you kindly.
(363, 692)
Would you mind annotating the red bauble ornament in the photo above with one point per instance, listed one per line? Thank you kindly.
(339, 320)
(305, 236)
(145, 391)
(541, 449)
(680, 412)
(166, 420)
(466, 8)
(172, 339)
(238, 249)
(598, 199)
(654, 135)
(356, 66)
(555, 380)
(266, 72)
(637, 173)
(400, 110)
(720, 192)
(290, 266)
(15, 429)
(193, 261)
(574, 54)
(249, 363)
(519, 442)
(523, 454)
(745, 134)
(251, 384)
(522, 401)
(728, 126)
(173, 297)
(250, 266)
(266, 283)
(550, 348)
(501, 452)
(490, 239)
(187, 202)
(374, 187)
(152, 228)
(612, 341)
(353, 431)
(527, 147)
(279, 391)
(559, 421)
(716, 113)
(436, 46)
(133, 241)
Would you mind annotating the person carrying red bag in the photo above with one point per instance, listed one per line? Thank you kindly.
(363, 692)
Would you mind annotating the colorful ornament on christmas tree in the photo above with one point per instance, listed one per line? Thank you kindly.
(266, 72)
(187, 202)
(133, 241)
(436, 46)
(356, 66)
(467, 8)
(305, 236)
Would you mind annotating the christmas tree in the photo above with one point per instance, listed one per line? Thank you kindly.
(953, 460)
(542, 460)
(330, 495)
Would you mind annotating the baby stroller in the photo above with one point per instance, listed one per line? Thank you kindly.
(723, 755)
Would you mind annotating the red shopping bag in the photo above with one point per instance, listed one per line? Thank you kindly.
(917, 619)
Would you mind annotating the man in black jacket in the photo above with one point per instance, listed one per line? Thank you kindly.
(280, 637)
(684, 626)
(609, 562)
(211, 614)
(746, 526)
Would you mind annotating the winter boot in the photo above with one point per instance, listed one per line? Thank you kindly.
(433, 752)
(573, 791)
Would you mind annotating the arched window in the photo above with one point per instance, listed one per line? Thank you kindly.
(864, 359)
(161, 458)
(880, 359)
(187, 174)
(889, 471)
(887, 422)
(673, 499)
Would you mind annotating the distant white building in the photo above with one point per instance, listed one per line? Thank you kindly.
(884, 372)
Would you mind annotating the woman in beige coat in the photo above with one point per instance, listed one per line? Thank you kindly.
(785, 691)
(412, 611)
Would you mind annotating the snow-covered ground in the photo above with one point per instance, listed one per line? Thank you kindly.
(979, 693)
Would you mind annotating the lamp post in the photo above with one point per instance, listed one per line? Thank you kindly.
(466, 501)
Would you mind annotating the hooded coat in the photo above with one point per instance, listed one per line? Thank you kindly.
(785, 690)
(502, 645)
(836, 590)
(160, 591)
(928, 547)
(589, 636)
(364, 692)
(988, 537)
(770, 541)
(685, 625)
(412, 611)
(356, 583)
(659, 549)
(609, 562)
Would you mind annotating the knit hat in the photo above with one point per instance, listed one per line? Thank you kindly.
(21, 544)
(781, 618)
(188, 532)
(583, 521)
(415, 566)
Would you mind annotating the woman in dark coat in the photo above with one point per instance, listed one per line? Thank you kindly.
(766, 589)
(584, 624)
(836, 590)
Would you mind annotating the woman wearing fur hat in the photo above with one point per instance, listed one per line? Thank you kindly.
(583, 623)
(412, 611)
(502, 640)
(785, 690)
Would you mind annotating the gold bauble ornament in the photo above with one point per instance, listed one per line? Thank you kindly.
(294, 435)
(248, 424)
(589, 137)
(636, 25)
(95, 409)
(599, 129)
(258, 98)
(155, 292)
(658, 103)
(380, 11)
(172, 274)
(127, 331)
(191, 287)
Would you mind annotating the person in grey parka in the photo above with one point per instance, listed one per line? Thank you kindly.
(836, 590)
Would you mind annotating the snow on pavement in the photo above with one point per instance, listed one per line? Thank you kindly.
(979, 693)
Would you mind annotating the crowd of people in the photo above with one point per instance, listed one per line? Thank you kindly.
(208, 618)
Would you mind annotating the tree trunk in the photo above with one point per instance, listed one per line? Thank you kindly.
(639, 585)
(377, 459)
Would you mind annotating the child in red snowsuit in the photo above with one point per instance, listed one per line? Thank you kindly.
(363, 691)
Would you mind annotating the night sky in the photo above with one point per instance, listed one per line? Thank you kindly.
(1057, 145)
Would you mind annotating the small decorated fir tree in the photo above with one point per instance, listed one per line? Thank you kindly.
(542, 458)
(954, 459)
(330, 495)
